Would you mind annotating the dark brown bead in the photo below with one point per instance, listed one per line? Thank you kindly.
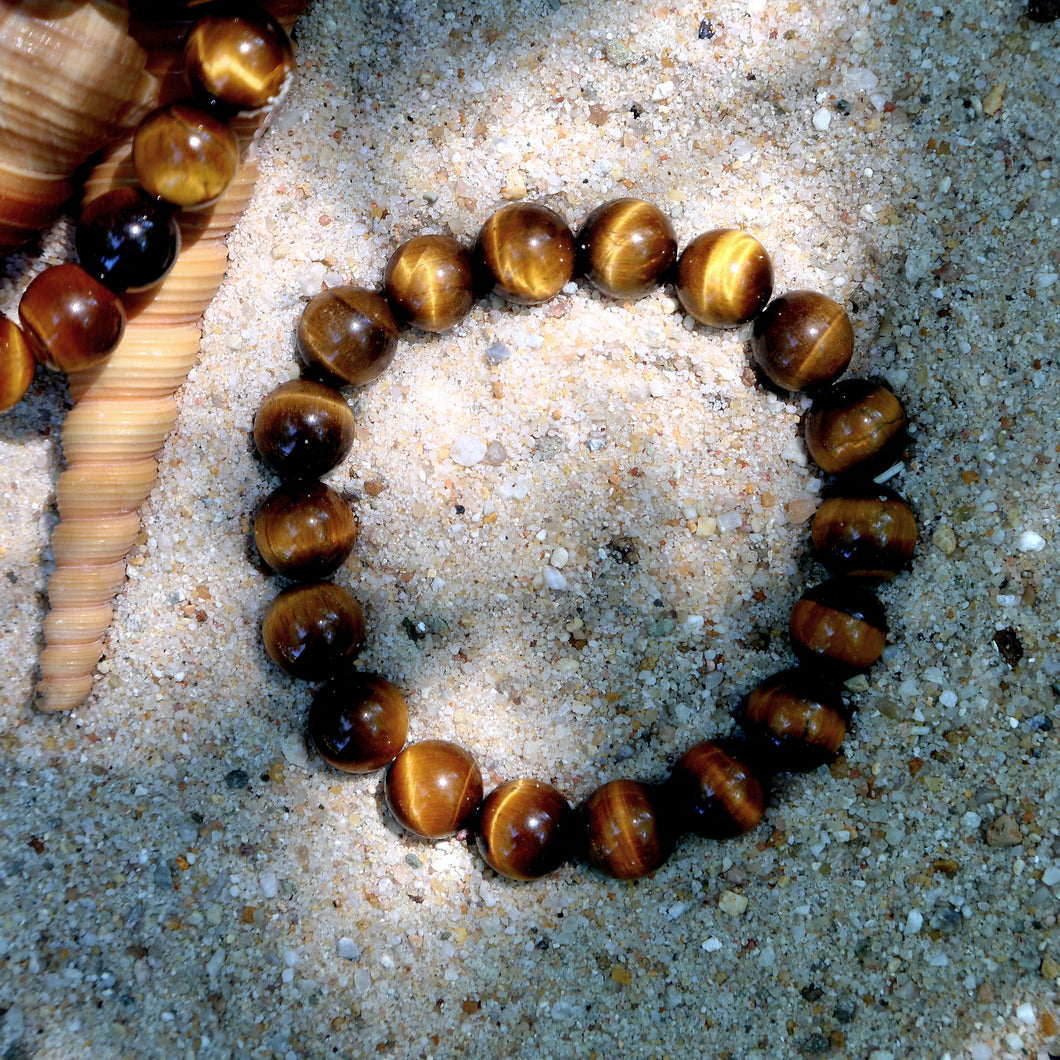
(184, 156)
(303, 428)
(430, 282)
(525, 829)
(724, 278)
(304, 530)
(70, 319)
(626, 832)
(349, 334)
(855, 425)
(526, 252)
(17, 364)
(714, 792)
(626, 248)
(867, 532)
(838, 626)
(358, 722)
(314, 630)
(433, 788)
(802, 340)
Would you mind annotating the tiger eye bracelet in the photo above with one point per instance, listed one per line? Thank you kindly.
(863, 533)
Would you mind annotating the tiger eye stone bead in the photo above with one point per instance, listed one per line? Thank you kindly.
(802, 340)
(714, 792)
(864, 533)
(724, 278)
(70, 319)
(312, 631)
(855, 426)
(304, 530)
(525, 829)
(349, 334)
(303, 428)
(839, 627)
(433, 788)
(627, 834)
(358, 722)
(626, 248)
(429, 282)
(17, 364)
(526, 252)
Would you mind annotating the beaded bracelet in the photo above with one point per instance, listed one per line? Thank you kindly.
(863, 533)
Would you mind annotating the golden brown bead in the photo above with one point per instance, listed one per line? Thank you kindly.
(358, 722)
(303, 428)
(724, 278)
(349, 334)
(304, 530)
(17, 364)
(714, 792)
(525, 829)
(313, 631)
(802, 340)
(626, 834)
(70, 319)
(855, 425)
(838, 626)
(626, 248)
(430, 282)
(864, 533)
(527, 253)
(433, 788)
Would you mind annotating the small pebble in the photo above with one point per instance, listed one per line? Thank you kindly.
(618, 54)
(467, 450)
(496, 454)
(733, 903)
(348, 950)
(1031, 542)
(1003, 831)
(822, 119)
(554, 579)
(945, 540)
(237, 778)
(497, 353)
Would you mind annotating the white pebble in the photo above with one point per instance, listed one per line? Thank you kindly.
(1025, 1014)
(711, 945)
(1031, 542)
(732, 903)
(1051, 876)
(555, 579)
(467, 450)
(309, 279)
(971, 820)
(913, 922)
(948, 699)
(729, 521)
(348, 949)
(560, 556)
(663, 90)
(794, 451)
(1045, 279)
(822, 119)
(362, 981)
(270, 885)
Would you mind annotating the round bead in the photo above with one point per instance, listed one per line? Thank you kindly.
(184, 156)
(430, 282)
(17, 364)
(70, 319)
(433, 788)
(855, 425)
(626, 248)
(724, 278)
(303, 428)
(838, 626)
(864, 533)
(358, 722)
(349, 334)
(525, 829)
(313, 630)
(304, 530)
(802, 341)
(626, 835)
(527, 253)
(127, 240)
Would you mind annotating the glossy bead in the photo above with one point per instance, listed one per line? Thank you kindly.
(714, 792)
(127, 240)
(526, 252)
(797, 719)
(184, 156)
(724, 278)
(430, 282)
(626, 833)
(17, 364)
(838, 626)
(433, 788)
(349, 334)
(312, 631)
(358, 722)
(864, 533)
(70, 319)
(802, 341)
(525, 829)
(303, 428)
(855, 425)
(304, 530)
(626, 248)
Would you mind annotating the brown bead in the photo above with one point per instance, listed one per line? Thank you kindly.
(303, 428)
(714, 792)
(867, 532)
(313, 631)
(430, 282)
(626, 833)
(358, 722)
(304, 530)
(802, 340)
(349, 334)
(525, 829)
(838, 626)
(626, 248)
(433, 788)
(724, 278)
(184, 156)
(855, 425)
(70, 319)
(17, 364)
(526, 252)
